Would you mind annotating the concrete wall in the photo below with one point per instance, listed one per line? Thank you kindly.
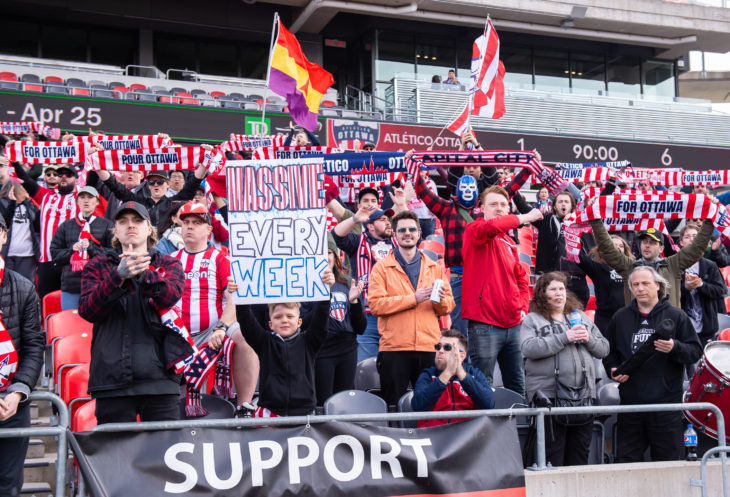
(665, 479)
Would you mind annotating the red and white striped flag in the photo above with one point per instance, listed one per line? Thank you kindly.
(42, 152)
(487, 76)
(460, 125)
(292, 152)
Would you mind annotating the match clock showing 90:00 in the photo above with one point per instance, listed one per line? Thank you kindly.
(587, 152)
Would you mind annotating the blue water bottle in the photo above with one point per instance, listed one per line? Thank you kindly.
(690, 443)
(575, 320)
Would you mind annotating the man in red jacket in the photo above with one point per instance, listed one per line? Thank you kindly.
(496, 295)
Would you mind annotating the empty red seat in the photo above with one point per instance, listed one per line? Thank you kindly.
(79, 91)
(216, 94)
(434, 246)
(189, 101)
(169, 100)
(51, 305)
(328, 103)
(137, 86)
(65, 323)
(8, 76)
(32, 87)
(183, 94)
(122, 89)
(70, 351)
(53, 79)
(84, 418)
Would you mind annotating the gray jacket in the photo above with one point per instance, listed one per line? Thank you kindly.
(539, 342)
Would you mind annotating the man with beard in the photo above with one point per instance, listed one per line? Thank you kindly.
(50, 176)
(399, 294)
(56, 207)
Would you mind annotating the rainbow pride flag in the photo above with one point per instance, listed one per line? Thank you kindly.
(300, 82)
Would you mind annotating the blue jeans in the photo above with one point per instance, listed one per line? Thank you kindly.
(456, 322)
(368, 342)
(69, 300)
(489, 344)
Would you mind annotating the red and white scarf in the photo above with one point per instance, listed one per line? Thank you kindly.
(270, 153)
(681, 177)
(122, 142)
(155, 159)
(42, 152)
(249, 143)
(25, 127)
(8, 355)
(80, 258)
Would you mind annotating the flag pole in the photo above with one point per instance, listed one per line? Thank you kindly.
(268, 70)
(471, 95)
(443, 129)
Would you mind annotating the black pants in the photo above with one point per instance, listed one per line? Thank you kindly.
(334, 374)
(12, 452)
(567, 445)
(149, 408)
(661, 431)
(25, 266)
(398, 369)
(49, 278)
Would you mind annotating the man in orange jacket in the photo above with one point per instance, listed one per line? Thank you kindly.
(399, 294)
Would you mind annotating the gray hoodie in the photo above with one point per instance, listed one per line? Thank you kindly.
(539, 342)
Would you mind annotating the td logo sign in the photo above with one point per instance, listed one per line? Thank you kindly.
(255, 126)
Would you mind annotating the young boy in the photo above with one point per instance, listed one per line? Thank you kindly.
(286, 354)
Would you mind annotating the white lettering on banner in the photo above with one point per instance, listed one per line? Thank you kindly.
(120, 144)
(649, 206)
(302, 452)
(702, 178)
(44, 152)
(423, 140)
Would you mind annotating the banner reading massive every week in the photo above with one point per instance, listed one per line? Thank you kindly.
(477, 458)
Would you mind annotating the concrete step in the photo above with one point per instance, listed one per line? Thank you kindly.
(36, 448)
(36, 489)
(40, 469)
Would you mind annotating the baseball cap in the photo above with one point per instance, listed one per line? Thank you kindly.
(653, 234)
(69, 167)
(161, 174)
(194, 209)
(378, 214)
(368, 146)
(90, 190)
(136, 207)
(366, 190)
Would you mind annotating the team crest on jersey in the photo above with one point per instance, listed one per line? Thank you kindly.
(338, 306)
(341, 130)
(381, 250)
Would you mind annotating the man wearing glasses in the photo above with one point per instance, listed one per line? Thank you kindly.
(451, 385)
(400, 296)
(50, 176)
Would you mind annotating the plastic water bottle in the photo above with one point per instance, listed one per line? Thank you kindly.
(690, 443)
(574, 318)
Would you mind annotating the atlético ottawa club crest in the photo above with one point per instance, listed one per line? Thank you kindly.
(340, 130)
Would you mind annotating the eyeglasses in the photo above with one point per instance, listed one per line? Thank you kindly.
(411, 229)
(51, 173)
(156, 182)
(66, 174)
(447, 347)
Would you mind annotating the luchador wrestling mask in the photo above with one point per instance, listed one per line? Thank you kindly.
(466, 191)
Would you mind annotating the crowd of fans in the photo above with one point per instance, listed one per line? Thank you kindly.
(126, 247)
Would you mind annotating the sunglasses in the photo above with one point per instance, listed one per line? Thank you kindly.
(51, 173)
(66, 174)
(411, 229)
(156, 182)
(447, 347)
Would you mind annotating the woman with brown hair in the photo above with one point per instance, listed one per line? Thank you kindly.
(560, 367)
(607, 282)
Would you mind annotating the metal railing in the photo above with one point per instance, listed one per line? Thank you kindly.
(702, 482)
(60, 431)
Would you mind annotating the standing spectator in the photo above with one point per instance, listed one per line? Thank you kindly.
(496, 293)
(170, 230)
(399, 292)
(451, 385)
(50, 176)
(657, 377)
(22, 250)
(123, 291)
(543, 203)
(78, 240)
(21, 345)
(334, 368)
(703, 288)
(300, 138)
(56, 207)
(607, 282)
(177, 182)
(132, 180)
(556, 352)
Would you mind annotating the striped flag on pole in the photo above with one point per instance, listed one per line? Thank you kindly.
(487, 76)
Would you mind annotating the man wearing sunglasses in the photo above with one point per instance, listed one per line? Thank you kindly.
(400, 296)
(50, 176)
(451, 385)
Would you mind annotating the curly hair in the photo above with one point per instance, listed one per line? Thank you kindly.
(539, 302)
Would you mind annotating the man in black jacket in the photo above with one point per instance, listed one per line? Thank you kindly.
(76, 242)
(656, 380)
(19, 315)
(123, 292)
(23, 219)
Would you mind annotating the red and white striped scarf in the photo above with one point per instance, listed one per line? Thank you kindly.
(583, 175)
(42, 152)
(55, 209)
(350, 186)
(270, 153)
(155, 159)
(249, 143)
(122, 142)
(681, 177)
(25, 127)
(80, 258)
(8, 354)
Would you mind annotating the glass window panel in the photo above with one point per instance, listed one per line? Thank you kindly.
(65, 43)
(395, 55)
(19, 38)
(387, 69)
(659, 78)
(588, 73)
(124, 43)
(518, 66)
(254, 60)
(623, 74)
(551, 69)
(218, 58)
(174, 53)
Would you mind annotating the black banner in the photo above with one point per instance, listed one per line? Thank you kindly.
(480, 458)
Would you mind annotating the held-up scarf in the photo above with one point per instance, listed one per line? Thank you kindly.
(80, 258)
(25, 127)
(681, 177)
(621, 164)
(8, 355)
(271, 153)
(249, 143)
(41, 152)
(664, 205)
(121, 142)
(155, 159)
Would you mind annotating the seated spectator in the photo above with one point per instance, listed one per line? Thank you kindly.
(78, 240)
(451, 385)
(171, 230)
(557, 351)
(334, 368)
(451, 78)
(436, 79)
(287, 354)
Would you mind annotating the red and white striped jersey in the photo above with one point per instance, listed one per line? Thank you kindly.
(206, 278)
(55, 209)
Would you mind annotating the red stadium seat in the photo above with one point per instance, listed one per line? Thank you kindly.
(75, 387)
(328, 103)
(169, 100)
(137, 86)
(79, 91)
(434, 246)
(727, 305)
(216, 94)
(53, 79)
(724, 335)
(84, 418)
(189, 101)
(70, 351)
(525, 236)
(66, 323)
(591, 303)
(32, 87)
(184, 94)
(8, 76)
(51, 305)
(122, 89)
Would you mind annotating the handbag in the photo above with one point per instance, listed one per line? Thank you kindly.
(567, 396)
